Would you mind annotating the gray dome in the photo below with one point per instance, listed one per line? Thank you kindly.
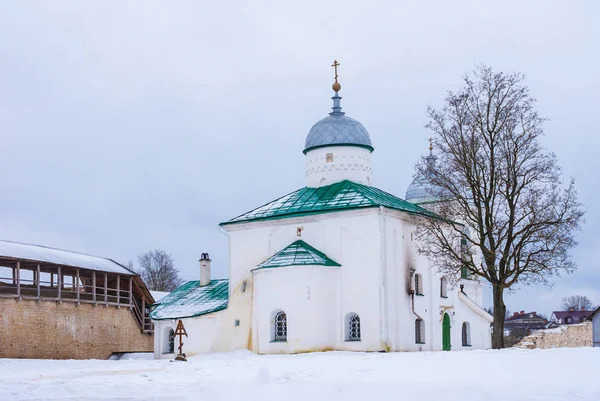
(418, 191)
(421, 191)
(337, 130)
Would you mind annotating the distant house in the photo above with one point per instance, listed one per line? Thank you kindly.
(527, 321)
(571, 316)
(521, 324)
(595, 318)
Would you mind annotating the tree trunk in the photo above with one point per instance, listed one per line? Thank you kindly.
(499, 313)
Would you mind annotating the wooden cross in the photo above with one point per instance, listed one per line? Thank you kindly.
(335, 66)
(180, 331)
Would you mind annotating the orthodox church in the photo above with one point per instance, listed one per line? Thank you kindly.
(330, 266)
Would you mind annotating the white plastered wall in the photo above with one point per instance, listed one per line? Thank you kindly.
(374, 247)
(203, 335)
(401, 255)
(331, 164)
(350, 238)
(309, 298)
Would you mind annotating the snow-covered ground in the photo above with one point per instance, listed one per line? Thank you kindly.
(533, 375)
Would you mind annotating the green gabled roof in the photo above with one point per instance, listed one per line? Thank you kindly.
(336, 197)
(298, 253)
(191, 300)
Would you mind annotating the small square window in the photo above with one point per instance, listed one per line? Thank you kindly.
(237, 322)
(244, 286)
(299, 231)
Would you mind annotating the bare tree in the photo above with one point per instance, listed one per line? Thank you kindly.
(577, 302)
(506, 216)
(157, 269)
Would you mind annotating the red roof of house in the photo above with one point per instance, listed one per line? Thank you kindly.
(521, 315)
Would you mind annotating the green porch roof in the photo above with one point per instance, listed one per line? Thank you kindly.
(298, 253)
(191, 300)
(336, 197)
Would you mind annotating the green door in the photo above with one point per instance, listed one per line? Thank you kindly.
(446, 333)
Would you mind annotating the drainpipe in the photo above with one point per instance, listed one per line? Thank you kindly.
(412, 295)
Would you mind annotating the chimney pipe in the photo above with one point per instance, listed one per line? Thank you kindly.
(204, 270)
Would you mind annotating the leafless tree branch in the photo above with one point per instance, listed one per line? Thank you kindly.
(517, 217)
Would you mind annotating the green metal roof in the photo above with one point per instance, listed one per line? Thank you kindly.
(336, 197)
(298, 253)
(191, 300)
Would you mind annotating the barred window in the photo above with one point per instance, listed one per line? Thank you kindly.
(171, 341)
(418, 284)
(352, 327)
(443, 287)
(419, 331)
(279, 329)
(466, 334)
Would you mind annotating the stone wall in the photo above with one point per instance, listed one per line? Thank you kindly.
(52, 330)
(574, 335)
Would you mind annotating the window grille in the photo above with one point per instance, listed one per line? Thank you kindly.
(419, 331)
(443, 287)
(280, 327)
(171, 341)
(353, 327)
(466, 335)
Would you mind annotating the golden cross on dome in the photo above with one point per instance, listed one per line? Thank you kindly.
(430, 143)
(336, 85)
(335, 66)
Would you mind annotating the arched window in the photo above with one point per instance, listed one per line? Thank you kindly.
(171, 341)
(352, 327)
(420, 331)
(443, 287)
(279, 327)
(168, 346)
(418, 284)
(466, 334)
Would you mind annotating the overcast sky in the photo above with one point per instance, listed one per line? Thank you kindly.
(129, 126)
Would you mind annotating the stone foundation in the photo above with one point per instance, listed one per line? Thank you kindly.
(574, 335)
(52, 330)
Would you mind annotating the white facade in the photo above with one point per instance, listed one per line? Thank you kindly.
(331, 164)
(376, 251)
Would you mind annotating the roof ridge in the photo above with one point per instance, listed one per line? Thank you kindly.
(310, 254)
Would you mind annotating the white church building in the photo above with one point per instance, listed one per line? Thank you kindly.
(330, 266)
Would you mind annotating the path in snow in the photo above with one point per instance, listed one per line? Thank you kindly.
(516, 375)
